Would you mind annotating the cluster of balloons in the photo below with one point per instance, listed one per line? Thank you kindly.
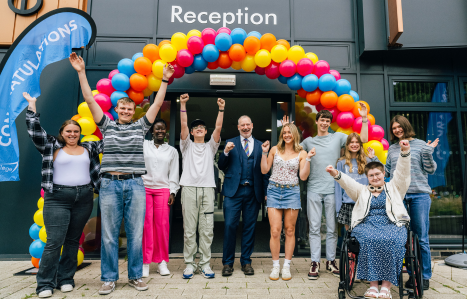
(38, 233)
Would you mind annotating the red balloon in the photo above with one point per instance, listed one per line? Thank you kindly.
(375, 133)
(81, 240)
(184, 58)
(319, 107)
(213, 65)
(306, 134)
(179, 70)
(272, 70)
(336, 74)
(321, 68)
(287, 68)
(357, 125)
(260, 70)
(224, 60)
(209, 36)
(98, 132)
(305, 66)
(195, 44)
(171, 80)
(302, 93)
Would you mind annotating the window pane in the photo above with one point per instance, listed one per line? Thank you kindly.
(465, 91)
(420, 92)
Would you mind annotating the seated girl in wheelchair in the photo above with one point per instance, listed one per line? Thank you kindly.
(378, 220)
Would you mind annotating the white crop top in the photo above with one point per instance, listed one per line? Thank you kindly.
(71, 170)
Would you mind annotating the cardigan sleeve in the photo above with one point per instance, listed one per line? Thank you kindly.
(401, 178)
(351, 187)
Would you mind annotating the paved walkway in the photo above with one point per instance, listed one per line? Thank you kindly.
(447, 282)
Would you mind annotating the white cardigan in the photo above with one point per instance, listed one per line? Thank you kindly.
(395, 193)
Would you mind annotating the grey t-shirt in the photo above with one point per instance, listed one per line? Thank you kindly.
(328, 150)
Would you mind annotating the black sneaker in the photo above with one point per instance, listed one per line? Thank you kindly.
(426, 284)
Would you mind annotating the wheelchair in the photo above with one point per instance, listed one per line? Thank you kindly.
(412, 261)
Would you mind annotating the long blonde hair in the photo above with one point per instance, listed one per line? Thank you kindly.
(361, 156)
(296, 138)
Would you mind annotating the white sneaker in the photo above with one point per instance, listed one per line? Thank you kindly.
(66, 288)
(145, 270)
(163, 268)
(286, 273)
(275, 273)
(45, 294)
(208, 273)
(188, 273)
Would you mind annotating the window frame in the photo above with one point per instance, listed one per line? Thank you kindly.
(462, 90)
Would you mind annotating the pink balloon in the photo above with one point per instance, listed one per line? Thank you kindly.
(195, 44)
(260, 70)
(110, 116)
(345, 120)
(272, 70)
(375, 133)
(357, 125)
(304, 66)
(179, 70)
(224, 30)
(98, 132)
(321, 68)
(103, 101)
(209, 36)
(184, 58)
(81, 248)
(81, 239)
(171, 79)
(112, 73)
(336, 74)
(319, 107)
(334, 113)
(105, 86)
(385, 144)
(287, 68)
(42, 193)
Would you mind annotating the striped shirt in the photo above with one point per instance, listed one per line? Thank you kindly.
(123, 145)
(422, 164)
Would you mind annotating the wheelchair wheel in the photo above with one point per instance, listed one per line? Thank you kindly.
(341, 294)
(417, 267)
(348, 265)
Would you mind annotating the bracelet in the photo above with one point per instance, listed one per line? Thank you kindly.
(264, 154)
(165, 81)
(182, 110)
(308, 159)
(221, 110)
(365, 121)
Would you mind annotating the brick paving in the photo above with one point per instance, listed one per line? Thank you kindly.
(447, 282)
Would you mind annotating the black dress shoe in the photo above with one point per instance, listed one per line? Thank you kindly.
(426, 284)
(227, 270)
(248, 269)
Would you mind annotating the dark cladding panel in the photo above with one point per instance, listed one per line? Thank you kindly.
(339, 55)
(372, 61)
(373, 93)
(324, 20)
(108, 52)
(428, 61)
(264, 16)
(374, 24)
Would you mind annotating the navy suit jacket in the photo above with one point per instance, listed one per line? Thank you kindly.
(232, 167)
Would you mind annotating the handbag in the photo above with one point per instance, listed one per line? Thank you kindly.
(353, 245)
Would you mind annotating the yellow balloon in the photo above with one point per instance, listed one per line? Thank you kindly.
(168, 52)
(376, 146)
(84, 111)
(179, 41)
(345, 131)
(43, 235)
(90, 138)
(236, 65)
(100, 158)
(138, 110)
(279, 53)
(158, 69)
(312, 56)
(80, 257)
(334, 126)
(146, 107)
(40, 203)
(147, 92)
(94, 92)
(248, 63)
(193, 32)
(61, 250)
(382, 158)
(262, 58)
(88, 126)
(299, 99)
(296, 53)
(154, 83)
(39, 218)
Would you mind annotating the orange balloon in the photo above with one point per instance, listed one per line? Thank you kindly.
(345, 103)
(371, 118)
(224, 60)
(252, 45)
(284, 43)
(164, 42)
(138, 82)
(314, 97)
(143, 65)
(151, 51)
(237, 52)
(268, 41)
(76, 117)
(302, 93)
(213, 65)
(329, 99)
(357, 106)
(35, 262)
(136, 96)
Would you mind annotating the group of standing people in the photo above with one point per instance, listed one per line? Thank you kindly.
(138, 180)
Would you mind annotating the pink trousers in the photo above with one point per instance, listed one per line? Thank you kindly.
(156, 226)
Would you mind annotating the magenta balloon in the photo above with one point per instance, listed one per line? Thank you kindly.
(224, 30)
(357, 125)
(109, 115)
(304, 66)
(195, 45)
(385, 144)
(375, 133)
(179, 70)
(113, 73)
(321, 68)
(272, 70)
(184, 58)
(334, 113)
(260, 70)
(105, 86)
(336, 74)
(287, 68)
(103, 101)
(209, 36)
(345, 120)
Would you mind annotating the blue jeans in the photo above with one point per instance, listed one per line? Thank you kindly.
(419, 205)
(122, 199)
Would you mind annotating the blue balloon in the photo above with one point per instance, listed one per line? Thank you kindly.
(295, 82)
(354, 95)
(210, 53)
(282, 79)
(199, 63)
(125, 66)
(190, 69)
(310, 82)
(36, 249)
(238, 36)
(117, 95)
(137, 55)
(114, 114)
(223, 41)
(342, 87)
(34, 231)
(327, 82)
(120, 82)
(255, 33)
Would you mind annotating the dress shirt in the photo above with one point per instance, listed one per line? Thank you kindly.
(251, 144)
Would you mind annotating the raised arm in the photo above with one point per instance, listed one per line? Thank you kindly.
(401, 178)
(36, 132)
(77, 63)
(220, 119)
(428, 163)
(351, 187)
(364, 113)
(304, 164)
(183, 116)
(266, 161)
(154, 108)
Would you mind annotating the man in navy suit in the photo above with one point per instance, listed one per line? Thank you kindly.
(244, 189)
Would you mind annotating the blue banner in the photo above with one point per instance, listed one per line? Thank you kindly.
(438, 128)
(48, 39)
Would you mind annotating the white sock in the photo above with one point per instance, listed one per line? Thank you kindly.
(287, 263)
(275, 263)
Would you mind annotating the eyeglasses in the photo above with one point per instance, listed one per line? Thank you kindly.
(375, 175)
(199, 127)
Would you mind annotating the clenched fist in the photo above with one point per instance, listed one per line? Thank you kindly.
(311, 153)
(330, 169)
(221, 103)
(265, 146)
(229, 147)
(184, 98)
(405, 145)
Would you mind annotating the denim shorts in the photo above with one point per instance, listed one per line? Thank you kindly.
(283, 198)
